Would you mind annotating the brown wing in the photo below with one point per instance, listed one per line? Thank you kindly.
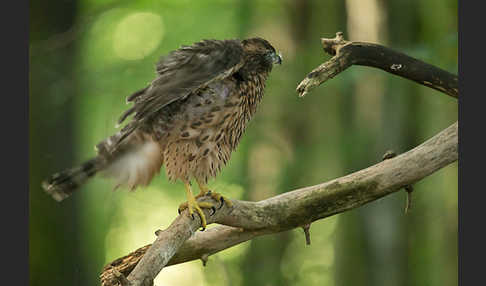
(182, 72)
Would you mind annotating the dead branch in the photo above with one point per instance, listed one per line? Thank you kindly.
(346, 54)
(299, 208)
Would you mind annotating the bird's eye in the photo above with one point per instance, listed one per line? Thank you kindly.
(274, 58)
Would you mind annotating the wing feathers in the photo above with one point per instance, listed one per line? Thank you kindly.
(182, 72)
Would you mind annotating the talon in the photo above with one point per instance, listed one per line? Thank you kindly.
(179, 211)
(222, 202)
(214, 211)
(203, 228)
(192, 205)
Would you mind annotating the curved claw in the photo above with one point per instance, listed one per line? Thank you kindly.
(203, 228)
(222, 202)
(214, 211)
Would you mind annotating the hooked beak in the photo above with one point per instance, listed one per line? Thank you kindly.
(277, 58)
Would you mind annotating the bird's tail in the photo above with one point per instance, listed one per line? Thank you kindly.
(131, 163)
(61, 185)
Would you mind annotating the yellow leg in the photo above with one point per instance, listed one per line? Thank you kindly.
(192, 205)
(216, 196)
(203, 189)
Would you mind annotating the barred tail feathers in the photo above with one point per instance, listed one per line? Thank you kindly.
(133, 164)
(61, 185)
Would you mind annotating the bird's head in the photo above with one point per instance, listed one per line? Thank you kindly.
(261, 53)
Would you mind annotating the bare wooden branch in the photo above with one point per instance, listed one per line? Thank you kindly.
(179, 242)
(346, 54)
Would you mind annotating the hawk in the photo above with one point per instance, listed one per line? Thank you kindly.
(189, 119)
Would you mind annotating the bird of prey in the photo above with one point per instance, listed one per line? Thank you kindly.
(189, 119)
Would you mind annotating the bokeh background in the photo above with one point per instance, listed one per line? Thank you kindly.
(86, 56)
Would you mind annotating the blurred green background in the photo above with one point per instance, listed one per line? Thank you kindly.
(86, 56)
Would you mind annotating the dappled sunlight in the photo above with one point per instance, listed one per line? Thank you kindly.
(137, 35)
(98, 46)
(139, 215)
(186, 274)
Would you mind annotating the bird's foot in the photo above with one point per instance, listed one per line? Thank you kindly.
(217, 197)
(195, 206)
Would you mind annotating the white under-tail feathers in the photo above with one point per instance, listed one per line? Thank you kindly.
(136, 167)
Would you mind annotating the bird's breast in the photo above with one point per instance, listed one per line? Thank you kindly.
(208, 127)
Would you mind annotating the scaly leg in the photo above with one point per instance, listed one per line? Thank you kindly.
(216, 196)
(192, 205)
